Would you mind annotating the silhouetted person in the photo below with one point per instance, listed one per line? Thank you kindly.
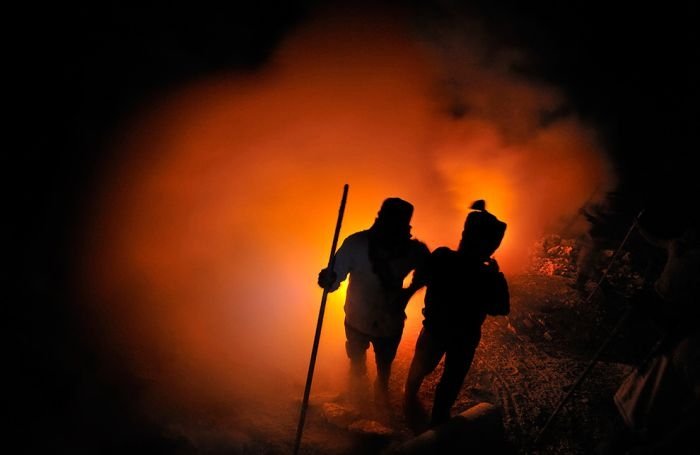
(660, 401)
(377, 260)
(592, 242)
(463, 286)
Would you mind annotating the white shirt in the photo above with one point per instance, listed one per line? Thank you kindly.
(370, 307)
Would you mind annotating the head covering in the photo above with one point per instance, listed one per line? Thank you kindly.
(483, 232)
(395, 211)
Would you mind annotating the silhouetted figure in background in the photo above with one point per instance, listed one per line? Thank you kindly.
(377, 260)
(660, 401)
(594, 241)
(463, 286)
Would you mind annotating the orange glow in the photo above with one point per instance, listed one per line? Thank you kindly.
(211, 229)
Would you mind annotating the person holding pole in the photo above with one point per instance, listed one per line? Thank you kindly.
(377, 260)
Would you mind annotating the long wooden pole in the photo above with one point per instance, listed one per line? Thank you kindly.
(317, 336)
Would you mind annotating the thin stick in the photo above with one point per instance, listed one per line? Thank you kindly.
(583, 375)
(607, 341)
(317, 336)
(612, 259)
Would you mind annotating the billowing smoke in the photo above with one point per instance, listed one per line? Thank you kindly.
(210, 230)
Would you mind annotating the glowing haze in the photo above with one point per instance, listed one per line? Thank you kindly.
(210, 231)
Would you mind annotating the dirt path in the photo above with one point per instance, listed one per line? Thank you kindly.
(524, 364)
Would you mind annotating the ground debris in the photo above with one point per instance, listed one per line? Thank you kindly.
(527, 360)
(339, 415)
(370, 428)
(554, 255)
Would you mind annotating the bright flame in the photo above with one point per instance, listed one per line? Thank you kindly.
(210, 232)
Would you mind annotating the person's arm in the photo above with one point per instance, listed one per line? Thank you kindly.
(420, 276)
(331, 279)
(406, 293)
(492, 265)
(422, 270)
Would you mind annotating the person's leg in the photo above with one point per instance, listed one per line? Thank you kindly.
(425, 358)
(458, 360)
(677, 421)
(356, 345)
(384, 354)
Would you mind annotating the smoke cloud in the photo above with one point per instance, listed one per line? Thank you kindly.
(217, 215)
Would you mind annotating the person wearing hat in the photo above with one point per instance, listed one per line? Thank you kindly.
(463, 287)
(377, 260)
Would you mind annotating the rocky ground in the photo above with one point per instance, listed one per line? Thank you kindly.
(526, 363)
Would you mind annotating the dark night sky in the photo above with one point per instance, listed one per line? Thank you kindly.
(626, 69)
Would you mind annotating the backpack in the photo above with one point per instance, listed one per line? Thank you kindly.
(496, 294)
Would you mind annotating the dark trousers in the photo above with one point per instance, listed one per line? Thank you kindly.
(459, 354)
(356, 346)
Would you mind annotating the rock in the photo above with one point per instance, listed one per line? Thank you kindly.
(370, 428)
(476, 430)
(338, 415)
